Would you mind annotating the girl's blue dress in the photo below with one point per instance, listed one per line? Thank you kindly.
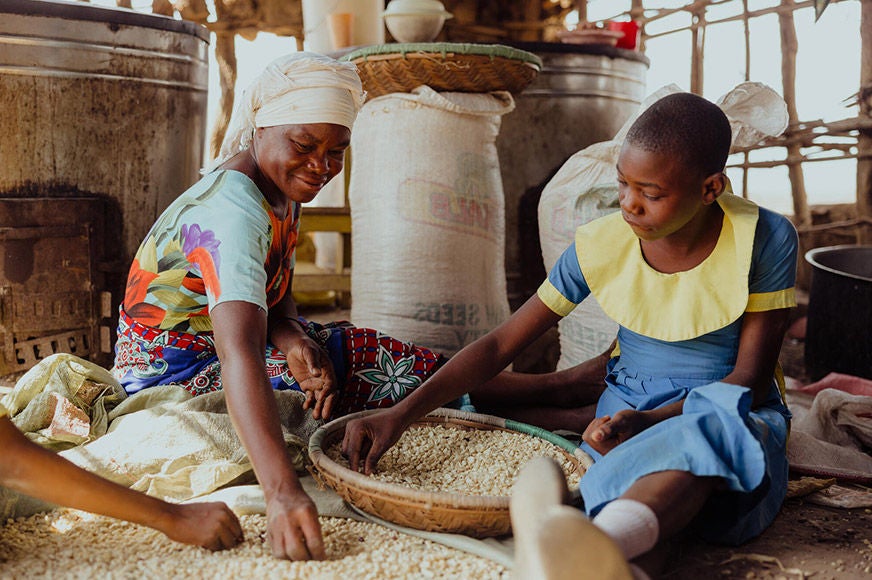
(678, 337)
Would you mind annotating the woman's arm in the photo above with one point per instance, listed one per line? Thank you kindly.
(29, 469)
(366, 439)
(240, 339)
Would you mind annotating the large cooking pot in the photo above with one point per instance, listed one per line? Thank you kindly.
(839, 332)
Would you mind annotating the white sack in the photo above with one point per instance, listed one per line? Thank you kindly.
(428, 215)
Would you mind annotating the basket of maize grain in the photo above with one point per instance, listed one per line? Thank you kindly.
(451, 471)
(446, 66)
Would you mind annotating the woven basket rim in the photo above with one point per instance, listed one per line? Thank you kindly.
(444, 49)
(445, 67)
(415, 497)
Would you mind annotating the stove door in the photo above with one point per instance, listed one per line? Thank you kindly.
(48, 294)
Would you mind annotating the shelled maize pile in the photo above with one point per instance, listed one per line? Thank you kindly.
(73, 544)
(465, 461)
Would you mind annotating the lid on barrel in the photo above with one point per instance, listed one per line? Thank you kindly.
(107, 14)
(569, 48)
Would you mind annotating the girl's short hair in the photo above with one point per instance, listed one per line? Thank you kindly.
(687, 126)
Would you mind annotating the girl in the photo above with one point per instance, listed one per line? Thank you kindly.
(691, 425)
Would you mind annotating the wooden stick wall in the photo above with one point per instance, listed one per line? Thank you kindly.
(800, 135)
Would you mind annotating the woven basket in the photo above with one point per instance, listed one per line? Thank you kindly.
(476, 516)
(455, 67)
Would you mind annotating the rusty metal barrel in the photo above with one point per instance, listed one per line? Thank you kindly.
(583, 95)
(101, 101)
(102, 124)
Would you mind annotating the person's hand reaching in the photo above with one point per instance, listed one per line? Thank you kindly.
(293, 529)
(211, 525)
(367, 438)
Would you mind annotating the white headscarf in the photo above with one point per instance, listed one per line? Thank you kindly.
(296, 89)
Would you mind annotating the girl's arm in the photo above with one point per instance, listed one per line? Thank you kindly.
(759, 346)
(366, 439)
(29, 469)
(240, 339)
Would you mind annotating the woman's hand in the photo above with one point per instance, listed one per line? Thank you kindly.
(308, 362)
(310, 366)
(366, 439)
(292, 528)
(606, 433)
(211, 525)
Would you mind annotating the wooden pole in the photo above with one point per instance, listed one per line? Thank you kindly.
(581, 6)
(751, 14)
(532, 13)
(789, 46)
(746, 26)
(225, 55)
(864, 142)
(697, 52)
(637, 13)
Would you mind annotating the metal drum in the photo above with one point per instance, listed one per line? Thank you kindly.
(104, 102)
(102, 125)
(583, 95)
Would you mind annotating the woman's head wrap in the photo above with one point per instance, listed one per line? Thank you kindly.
(296, 89)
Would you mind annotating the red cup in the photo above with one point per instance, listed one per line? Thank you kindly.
(630, 39)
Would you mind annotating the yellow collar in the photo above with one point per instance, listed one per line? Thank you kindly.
(670, 307)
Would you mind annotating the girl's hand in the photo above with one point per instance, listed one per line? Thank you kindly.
(367, 438)
(311, 368)
(606, 433)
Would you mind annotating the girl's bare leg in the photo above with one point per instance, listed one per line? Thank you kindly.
(654, 509)
(675, 496)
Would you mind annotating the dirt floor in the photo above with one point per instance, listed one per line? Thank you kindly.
(805, 541)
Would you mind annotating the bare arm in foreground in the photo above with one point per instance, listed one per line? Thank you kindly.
(29, 469)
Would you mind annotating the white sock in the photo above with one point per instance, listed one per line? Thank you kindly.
(631, 524)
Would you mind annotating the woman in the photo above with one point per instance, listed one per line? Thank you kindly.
(209, 305)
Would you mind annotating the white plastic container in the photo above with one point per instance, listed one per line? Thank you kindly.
(415, 20)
